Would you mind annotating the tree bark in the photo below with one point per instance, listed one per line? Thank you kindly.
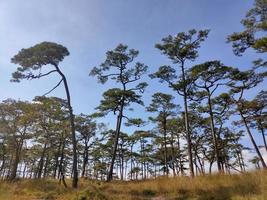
(41, 162)
(165, 146)
(252, 140)
(263, 138)
(117, 134)
(74, 142)
(188, 134)
(214, 137)
(85, 160)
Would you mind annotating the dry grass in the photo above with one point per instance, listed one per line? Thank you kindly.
(251, 186)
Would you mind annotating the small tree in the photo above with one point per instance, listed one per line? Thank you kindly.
(37, 58)
(163, 105)
(87, 129)
(116, 67)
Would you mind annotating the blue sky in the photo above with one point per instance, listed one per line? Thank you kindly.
(88, 28)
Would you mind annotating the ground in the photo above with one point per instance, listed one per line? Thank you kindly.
(249, 186)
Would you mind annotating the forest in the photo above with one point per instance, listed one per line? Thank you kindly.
(44, 139)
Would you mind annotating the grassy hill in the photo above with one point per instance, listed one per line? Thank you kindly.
(216, 187)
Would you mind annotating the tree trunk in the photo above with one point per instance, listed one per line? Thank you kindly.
(16, 161)
(173, 156)
(74, 142)
(131, 162)
(180, 156)
(117, 134)
(14, 166)
(188, 134)
(85, 160)
(46, 166)
(165, 146)
(252, 140)
(56, 160)
(214, 136)
(41, 163)
(263, 138)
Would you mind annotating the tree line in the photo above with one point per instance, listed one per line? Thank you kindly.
(44, 138)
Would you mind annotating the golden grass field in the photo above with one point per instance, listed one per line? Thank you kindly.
(250, 186)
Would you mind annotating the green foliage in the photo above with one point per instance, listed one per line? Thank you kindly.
(113, 98)
(163, 105)
(117, 60)
(138, 122)
(116, 68)
(183, 46)
(34, 58)
(179, 49)
(253, 36)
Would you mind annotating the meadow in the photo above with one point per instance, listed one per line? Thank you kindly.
(248, 186)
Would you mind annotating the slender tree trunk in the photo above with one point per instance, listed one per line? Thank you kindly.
(41, 162)
(125, 170)
(117, 134)
(74, 142)
(263, 138)
(242, 160)
(56, 160)
(210, 167)
(46, 166)
(239, 161)
(252, 140)
(121, 162)
(16, 161)
(165, 146)
(131, 162)
(85, 160)
(214, 136)
(188, 134)
(61, 170)
(24, 170)
(14, 167)
(3, 164)
(60, 167)
(173, 156)
(180, 156)
(3, 158)
(142, 156)
(200, 163)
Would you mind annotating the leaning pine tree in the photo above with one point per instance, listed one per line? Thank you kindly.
(46, 57)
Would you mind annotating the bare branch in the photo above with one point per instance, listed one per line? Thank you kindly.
(53, 88)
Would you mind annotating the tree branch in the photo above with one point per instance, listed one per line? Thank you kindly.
(53, 88)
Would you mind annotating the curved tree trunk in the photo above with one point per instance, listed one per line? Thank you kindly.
(74, 142)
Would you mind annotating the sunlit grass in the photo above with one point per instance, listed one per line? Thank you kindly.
(251, 186)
